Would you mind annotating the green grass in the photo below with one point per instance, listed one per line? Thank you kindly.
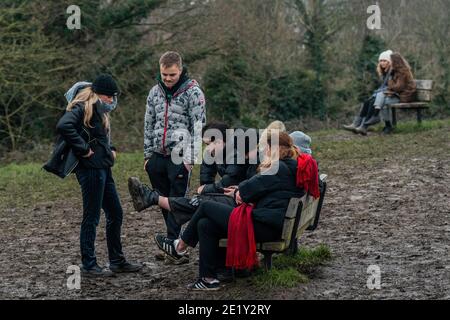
(275, 278)
(28, 184)
(289, 271)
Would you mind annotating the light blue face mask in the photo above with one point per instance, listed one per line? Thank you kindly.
(104, 107)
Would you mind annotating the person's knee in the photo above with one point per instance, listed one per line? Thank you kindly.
(116, 220)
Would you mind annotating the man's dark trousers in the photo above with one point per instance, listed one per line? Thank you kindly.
(170, 180)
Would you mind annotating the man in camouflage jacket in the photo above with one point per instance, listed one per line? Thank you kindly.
(175, 113)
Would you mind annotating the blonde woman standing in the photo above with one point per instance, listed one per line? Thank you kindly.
(86, 128)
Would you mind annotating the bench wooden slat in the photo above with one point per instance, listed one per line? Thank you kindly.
(410, 105)
(288, 226)
(424, 84)
(424, 95)
(292, 208)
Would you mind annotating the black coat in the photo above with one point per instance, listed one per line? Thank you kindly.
(271, 193)
(231, 175)
(81, 138)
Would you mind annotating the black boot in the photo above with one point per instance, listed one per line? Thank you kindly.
(356, 123)
(142, 196)
(388, 128)
(374, 119)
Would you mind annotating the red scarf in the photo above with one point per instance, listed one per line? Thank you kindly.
(308, 175)
(241, 247)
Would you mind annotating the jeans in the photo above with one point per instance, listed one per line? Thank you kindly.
(381, 102)
(99, 192)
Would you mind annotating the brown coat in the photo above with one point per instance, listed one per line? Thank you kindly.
(403, 85)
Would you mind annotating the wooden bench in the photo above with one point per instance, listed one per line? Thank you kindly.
(423, 97)
(301, 214)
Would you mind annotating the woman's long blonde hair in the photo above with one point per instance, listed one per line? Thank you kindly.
(381, 72)
(88, 98)
(286, 149)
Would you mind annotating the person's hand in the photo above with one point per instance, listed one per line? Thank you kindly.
(200, 189)
(229, 192)
(89, 154)
(145, 164)
(188, 167)
(114, 154)
(238, 198)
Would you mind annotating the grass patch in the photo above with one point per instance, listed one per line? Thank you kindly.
(413, 126)
(286, 278)
(289, 271)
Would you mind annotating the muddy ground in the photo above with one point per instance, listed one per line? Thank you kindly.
(393, 213)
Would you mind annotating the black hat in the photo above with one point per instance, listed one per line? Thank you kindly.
(105, 84)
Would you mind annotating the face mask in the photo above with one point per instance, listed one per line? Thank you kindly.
(107, 107)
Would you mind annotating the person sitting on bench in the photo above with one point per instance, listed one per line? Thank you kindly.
(366, 114)
(270, 195)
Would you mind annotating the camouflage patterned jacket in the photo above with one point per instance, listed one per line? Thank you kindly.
(166, 115)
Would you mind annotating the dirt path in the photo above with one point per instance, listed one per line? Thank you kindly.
(394, 214)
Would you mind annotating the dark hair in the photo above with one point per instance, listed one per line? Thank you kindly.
(222, 127)
(171, 58)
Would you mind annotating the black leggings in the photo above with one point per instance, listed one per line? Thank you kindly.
(367, 109)
(182, 209)
(208, 225)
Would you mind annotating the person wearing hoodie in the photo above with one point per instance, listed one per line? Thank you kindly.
(367, 114)
(230, 171)
(175, 106)
(85, 127)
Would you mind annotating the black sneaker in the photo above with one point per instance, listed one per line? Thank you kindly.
(142, 196)
(202, 285)
(125, 267)
(96, 272)
(166, 245)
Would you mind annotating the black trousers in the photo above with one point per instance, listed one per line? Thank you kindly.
(208, 225)
(182, 209)
(170, 180)
(99, 192)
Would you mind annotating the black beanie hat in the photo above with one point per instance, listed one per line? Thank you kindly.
(105, 84)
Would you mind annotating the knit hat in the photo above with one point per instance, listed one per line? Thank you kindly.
(386, 55)
(105, 84)
(302, 141)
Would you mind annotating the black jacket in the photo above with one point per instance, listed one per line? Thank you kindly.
(81, 138)
(231, 175)
(271, 193)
